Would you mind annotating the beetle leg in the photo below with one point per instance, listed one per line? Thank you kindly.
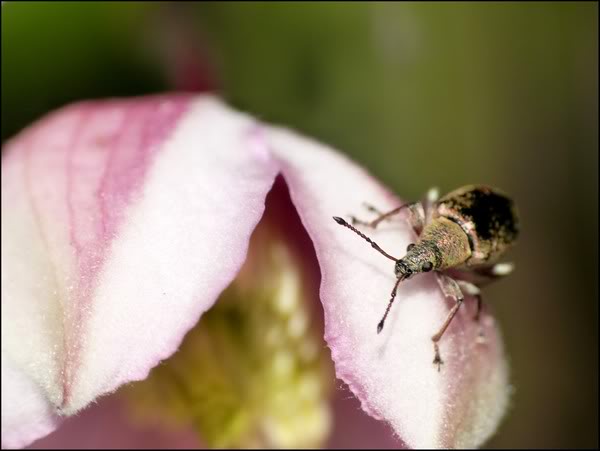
(372, 209)
(477, 316)
(472, 290)
(381, 216)
(482, 275)
(450, 288)
(494, 272)
(502, 269)
(416, 216)
(428, 203)
(469, 289)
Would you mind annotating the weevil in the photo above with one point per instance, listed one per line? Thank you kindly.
(461, 236)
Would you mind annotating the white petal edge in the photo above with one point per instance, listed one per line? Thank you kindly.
(22, 403)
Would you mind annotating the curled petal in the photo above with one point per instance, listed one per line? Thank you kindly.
(391, 373)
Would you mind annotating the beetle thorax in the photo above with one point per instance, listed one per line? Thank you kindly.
(447, 240)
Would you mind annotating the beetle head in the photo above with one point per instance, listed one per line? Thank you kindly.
(419, 258)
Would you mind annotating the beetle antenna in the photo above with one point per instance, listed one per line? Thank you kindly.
(373, 244)
(389, 306)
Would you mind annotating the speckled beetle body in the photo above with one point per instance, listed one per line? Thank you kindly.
(460, 236)
(487, 216)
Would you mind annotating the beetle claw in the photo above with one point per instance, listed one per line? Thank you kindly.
(437, 360)
(371, 208)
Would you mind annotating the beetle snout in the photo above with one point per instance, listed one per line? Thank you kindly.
(402, 269)
(398, 267)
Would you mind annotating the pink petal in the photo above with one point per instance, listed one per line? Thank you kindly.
(109, 424)
(26, 413)
(392, 373)
(122, 222)
(355, 429)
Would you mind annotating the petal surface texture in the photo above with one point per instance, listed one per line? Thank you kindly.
(122, 222)
(391, 373)
(26, 413)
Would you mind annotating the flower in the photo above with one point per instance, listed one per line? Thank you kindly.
(123, 221)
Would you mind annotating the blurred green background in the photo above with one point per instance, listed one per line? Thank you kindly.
(421, 94)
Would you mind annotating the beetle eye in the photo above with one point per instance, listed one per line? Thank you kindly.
(427, 266)
(410, 246)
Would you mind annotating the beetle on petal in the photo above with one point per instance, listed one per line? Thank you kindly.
(466, 231)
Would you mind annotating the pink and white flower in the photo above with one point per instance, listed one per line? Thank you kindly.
(124, 220)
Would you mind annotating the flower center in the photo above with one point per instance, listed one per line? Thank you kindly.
(255, 371)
